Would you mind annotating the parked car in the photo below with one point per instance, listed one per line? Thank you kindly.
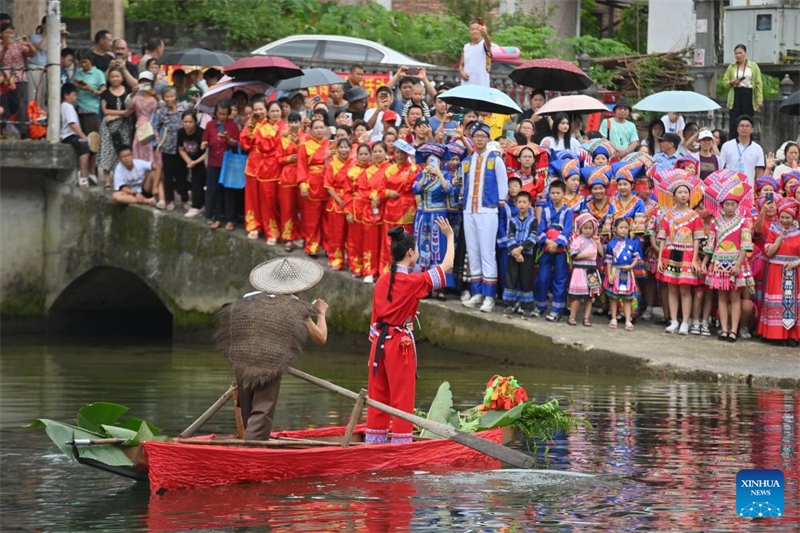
(337, 48)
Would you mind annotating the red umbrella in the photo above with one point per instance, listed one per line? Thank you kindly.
(551, 75)
(269, 69)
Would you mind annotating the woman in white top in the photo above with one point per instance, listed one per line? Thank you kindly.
(562, 138)
(747, 93)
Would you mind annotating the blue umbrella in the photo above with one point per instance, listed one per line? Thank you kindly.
(481, 98)
(677, 102)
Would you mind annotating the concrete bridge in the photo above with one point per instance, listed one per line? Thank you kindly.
(72, 257)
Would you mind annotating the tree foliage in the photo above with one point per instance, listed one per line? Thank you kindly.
(633, 27)
(466, 10)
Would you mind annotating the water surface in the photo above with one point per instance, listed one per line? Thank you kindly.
(663, 455)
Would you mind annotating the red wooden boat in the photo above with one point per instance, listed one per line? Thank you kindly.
(201, 463)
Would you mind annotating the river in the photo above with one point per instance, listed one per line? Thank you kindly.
(663, 456)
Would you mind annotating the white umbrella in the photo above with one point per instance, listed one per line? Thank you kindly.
(574, 103)
(224, 91)
(676, 102)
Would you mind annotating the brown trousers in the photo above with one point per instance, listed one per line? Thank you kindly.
(258, 408)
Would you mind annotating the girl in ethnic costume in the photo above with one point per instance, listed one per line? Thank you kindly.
(625, 204)
(453, 173)
(598, 204)
(780, 314)
(355, 210)
(569, 171)
(645, 272)
(338, 185)
(729, 241)
(432, 189)
(312, 157)
(393, 355)
(397, 196)
(585, 284)
(679, 243)
(622, 255)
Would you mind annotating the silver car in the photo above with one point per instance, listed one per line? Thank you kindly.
(337, 48)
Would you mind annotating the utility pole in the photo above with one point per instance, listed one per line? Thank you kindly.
(53, 72)
(705, 46)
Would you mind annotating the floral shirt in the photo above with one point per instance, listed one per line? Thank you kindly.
(167, 124)
(15, 57)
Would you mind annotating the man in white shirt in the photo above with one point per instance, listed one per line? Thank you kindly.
(476, 56)
(673, 123)
(485, 189)
(71, 132)
(742, 154)
(375, 116)
(137, 181)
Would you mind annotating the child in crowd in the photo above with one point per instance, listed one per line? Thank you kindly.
(569, 172)
(701, 295)
(729, 241)
(622, 255)
(71, 132)
(136, 181)
(417, 99)
(679, 244)
(645, 273)
(555, 229)
(504, 215)
(585, 283)
(518, 292)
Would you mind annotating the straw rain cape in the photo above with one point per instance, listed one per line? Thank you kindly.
(261, 335)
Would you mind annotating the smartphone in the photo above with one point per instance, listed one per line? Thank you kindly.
(295, 128)
(314, 101)
(309, 113)
(510, 135)
(119, 55)
(412, 71)
(433, 162)
(770, 197)
(145, 86)
(481, 21)
(458, 117)
(221, 129)
(448, 132)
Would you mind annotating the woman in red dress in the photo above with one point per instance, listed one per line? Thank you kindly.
(337, 183)
(393, 355)
(397, 196)
(370, 187)
(353, 209)
(287, 186)
(779, 320)
(311, 160)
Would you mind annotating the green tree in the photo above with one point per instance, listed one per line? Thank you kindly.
(589, 25)
(466, 10)
(633, 27)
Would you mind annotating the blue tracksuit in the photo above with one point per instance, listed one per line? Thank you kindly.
(556, 225)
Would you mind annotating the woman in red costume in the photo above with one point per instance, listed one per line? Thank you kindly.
(311, 159)
(392, 367)
(353, 209)
(261, 138)
(369, 187)
(287, 186)
(779, 321)
(397, 196)
(339, 188)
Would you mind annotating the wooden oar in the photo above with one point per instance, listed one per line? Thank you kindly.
(211, 411)
(492, 449)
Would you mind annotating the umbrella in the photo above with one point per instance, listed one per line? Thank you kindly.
(224, 91)
(481, 98)
(791, 106)
(676, 102)
(551, 75)
(312, 77)
(576, 103)
(269, 69)
(196, 56)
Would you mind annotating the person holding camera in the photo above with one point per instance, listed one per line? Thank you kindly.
(122, 61)
(476, 58)
(746, 95)
(14, 51)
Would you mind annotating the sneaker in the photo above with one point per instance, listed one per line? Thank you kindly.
(536, 313)
(695, 328)
(465, 296)
(705, 331)
(510, 310)
(253, 234)
(473, 301)
(369, 279)
(526, 313)
(92, 179)
(83, 182)
(193, 212)
(488, 305)
(553, 317)
(673, 327)
(647, 315)
(744, 333)
(684, 329)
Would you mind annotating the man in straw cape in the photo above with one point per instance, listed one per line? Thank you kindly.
(261, 334)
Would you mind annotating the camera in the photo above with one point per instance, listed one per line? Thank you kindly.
(119, 55)
(412, 71)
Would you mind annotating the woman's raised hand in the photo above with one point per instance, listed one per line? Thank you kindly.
(444, 226)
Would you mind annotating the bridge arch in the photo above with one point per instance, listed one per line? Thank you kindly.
(109, 302)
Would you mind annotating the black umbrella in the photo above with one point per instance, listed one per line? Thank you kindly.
(551, 75)
(312, 77)
(791, 106)
(199, 57)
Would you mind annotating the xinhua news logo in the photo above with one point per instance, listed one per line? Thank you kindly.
(759, 493)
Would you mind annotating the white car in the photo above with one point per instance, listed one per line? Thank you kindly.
(337, 48)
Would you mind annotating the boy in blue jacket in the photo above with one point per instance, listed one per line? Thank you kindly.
(518, 290)
(555, 229)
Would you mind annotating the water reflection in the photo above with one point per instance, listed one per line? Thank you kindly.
(666, 453)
